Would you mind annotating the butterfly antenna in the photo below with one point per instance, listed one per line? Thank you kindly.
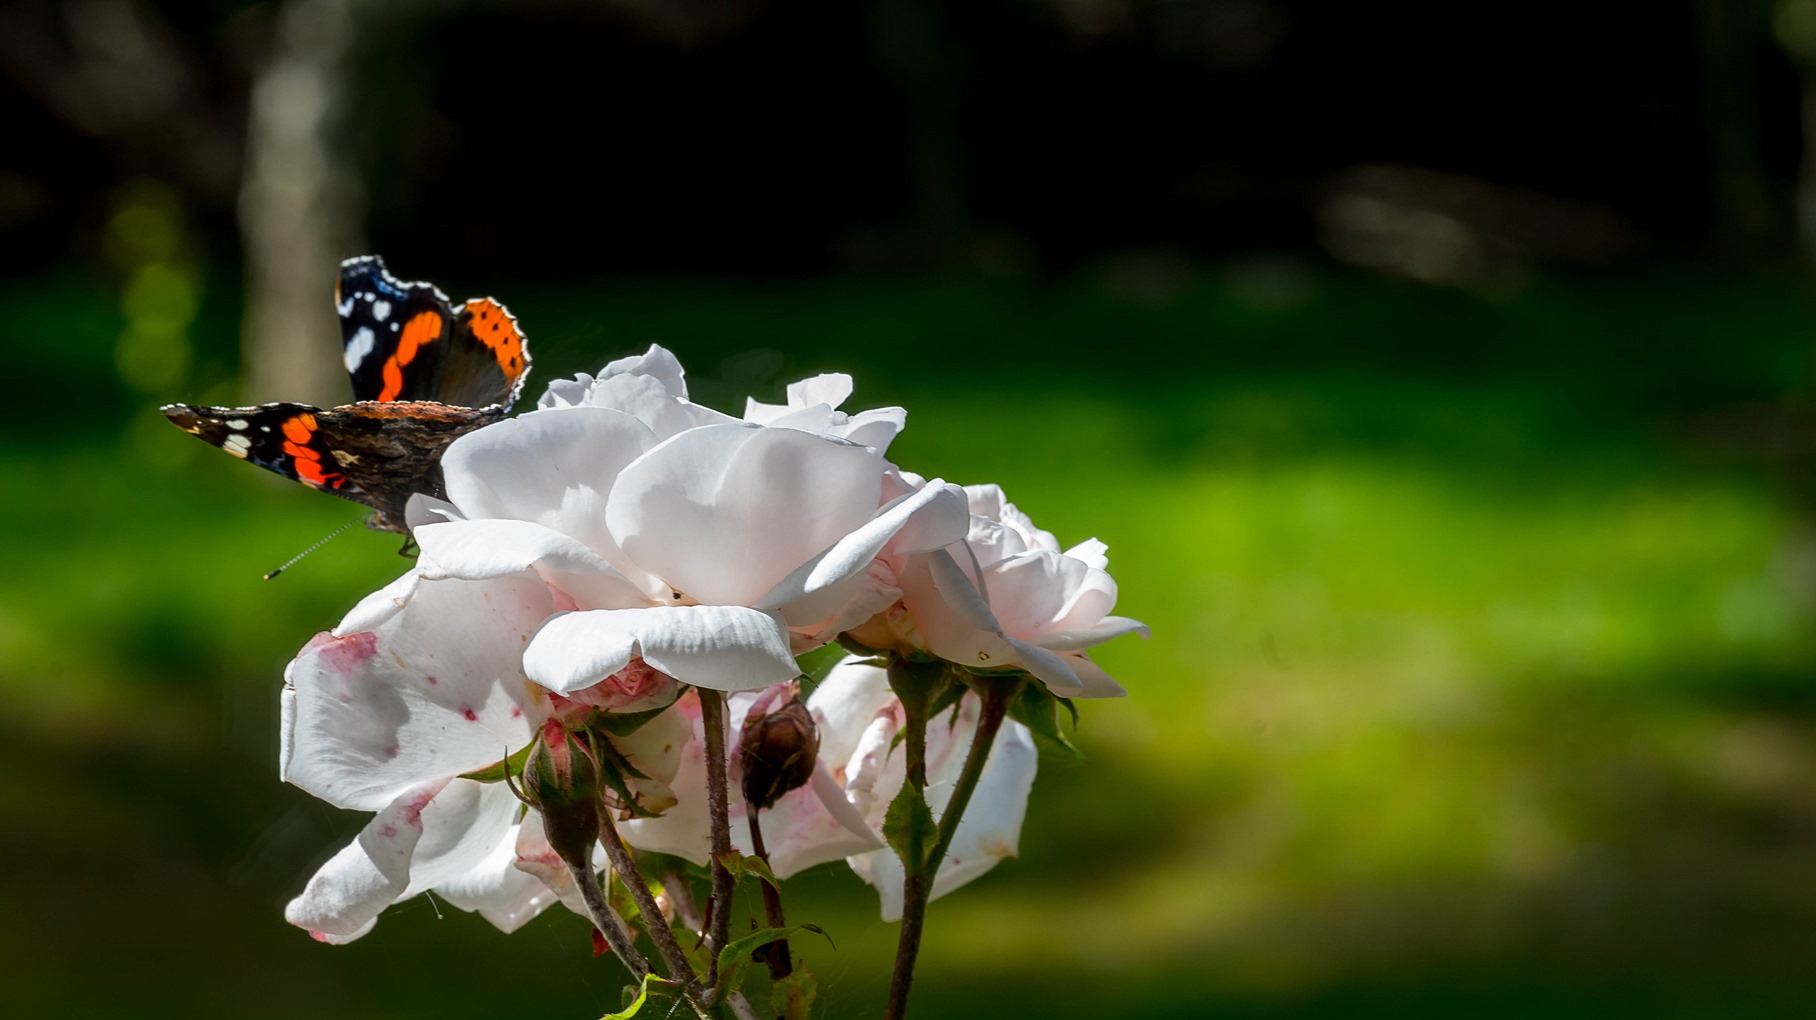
(312, 548)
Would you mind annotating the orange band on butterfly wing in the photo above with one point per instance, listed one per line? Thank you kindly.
(494, 328)
(421, 330)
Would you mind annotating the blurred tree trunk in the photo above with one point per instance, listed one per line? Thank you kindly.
(1732, 31)
(301, 204)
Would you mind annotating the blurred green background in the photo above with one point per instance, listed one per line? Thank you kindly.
(1449, 420)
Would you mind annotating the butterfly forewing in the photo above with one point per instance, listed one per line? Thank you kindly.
(424, 373)
(406, 341)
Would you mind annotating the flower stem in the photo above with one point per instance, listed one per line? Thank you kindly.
(918, 876)
(659, 931)
(776, 955)
(712, 719)
(610, 925)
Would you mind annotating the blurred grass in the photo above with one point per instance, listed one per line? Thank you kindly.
(1481, 680)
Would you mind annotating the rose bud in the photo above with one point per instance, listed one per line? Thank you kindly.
(561, 780)
(777, 751)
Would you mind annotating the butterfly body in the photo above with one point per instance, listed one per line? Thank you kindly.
(424, 371)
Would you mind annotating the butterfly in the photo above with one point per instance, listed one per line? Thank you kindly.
(425, 372)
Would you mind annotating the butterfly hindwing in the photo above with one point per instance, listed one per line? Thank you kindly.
(424, 371)
(406, 341)
(373, 453)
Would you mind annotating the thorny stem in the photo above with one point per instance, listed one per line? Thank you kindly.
(680, 890)
(780, 962)
(659, 931)
(918, 875)
(607, 920)
(712, 719)
(996, 697)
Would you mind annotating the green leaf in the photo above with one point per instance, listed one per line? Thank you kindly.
(740, 865)
(909, 828)
(511, 765)
(1038, 709)
(793, 995)
(737, 952)
(633, 1007)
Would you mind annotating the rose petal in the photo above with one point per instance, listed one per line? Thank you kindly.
(931, 517)
(726, 648)
(437, 690)
(552, 469)
(497, 889)
(725, 512)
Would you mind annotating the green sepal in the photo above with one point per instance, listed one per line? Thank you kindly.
(623, 724)
(616, 771)
(794, 995)
(497, 772)
(948, 697)
(909, 828)
(1038, 709)
(815, 665)
(736, 954)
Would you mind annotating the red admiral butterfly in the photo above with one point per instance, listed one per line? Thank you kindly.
(424, 374)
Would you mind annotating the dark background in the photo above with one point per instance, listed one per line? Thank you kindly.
(1439, 376)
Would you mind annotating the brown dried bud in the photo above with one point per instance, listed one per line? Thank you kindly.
(777, 751)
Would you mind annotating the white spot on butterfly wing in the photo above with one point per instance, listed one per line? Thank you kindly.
(381, 310)
(237, 445)
(359, 347)
(237, 424)
(345, 308)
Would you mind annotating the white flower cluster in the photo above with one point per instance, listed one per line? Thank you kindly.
(620, 543)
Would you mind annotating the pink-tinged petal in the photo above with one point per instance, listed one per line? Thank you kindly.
(1107, 628)
(462, 826)
(844, 703)
(378, 607)
(950, 614)
(871, 593)
(497, 889)
(684, 829)
(1092, 552)
(725, 512)
(726, 648)
(1030, 592)
(369, 874)
(536, 858)
(810, 825)
(932, 517)
(991, 828)
(481, 549)
(1050, 668)
(1093, 681)
(436, 691)
(341, 940)
(552, 469)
